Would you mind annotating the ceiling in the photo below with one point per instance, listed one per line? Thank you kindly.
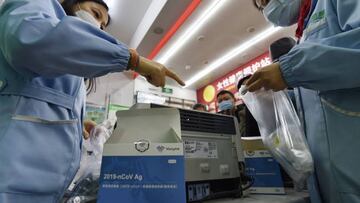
(126, 15)
(134, 23)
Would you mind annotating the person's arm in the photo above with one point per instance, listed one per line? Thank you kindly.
(37, 38)
(331, 63)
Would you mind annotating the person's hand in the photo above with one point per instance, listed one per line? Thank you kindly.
(155, 73)
(88, 127)
(269, 77)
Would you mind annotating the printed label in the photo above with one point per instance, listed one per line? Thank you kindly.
(200, 150)
(198, 192)
(142, 179)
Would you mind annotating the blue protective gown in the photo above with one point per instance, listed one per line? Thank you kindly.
(44, 56)
(326, 67)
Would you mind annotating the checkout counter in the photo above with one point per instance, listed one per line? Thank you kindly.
(290, 197)
(212, 155)
(211, 159)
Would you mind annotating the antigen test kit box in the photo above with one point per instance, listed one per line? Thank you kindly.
(143, 160)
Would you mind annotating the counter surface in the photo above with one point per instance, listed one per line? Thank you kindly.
(290, 197)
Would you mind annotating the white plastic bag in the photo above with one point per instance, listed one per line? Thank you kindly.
(281, 132)
(87, 176)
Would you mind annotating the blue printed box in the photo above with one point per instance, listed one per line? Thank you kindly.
(262, 167)
(144, 165)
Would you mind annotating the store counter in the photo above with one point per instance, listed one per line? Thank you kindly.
(290, 197)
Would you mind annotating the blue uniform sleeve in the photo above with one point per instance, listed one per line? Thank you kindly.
(37, 38)
(330, 63)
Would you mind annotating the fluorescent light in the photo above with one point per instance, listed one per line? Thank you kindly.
(210, 11)
(231, 54)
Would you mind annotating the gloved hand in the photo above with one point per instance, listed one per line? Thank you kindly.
(155, 73)
(269, 77)
(88, 127)
(99, 135)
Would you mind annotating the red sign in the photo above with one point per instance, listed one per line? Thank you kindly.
(207, 94)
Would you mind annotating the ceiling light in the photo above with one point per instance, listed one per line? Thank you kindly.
(210, 11)
(232, 53)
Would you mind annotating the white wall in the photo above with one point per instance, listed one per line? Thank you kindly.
(120, 87)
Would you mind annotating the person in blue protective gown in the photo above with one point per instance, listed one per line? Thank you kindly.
(324, 69)
(45, 55)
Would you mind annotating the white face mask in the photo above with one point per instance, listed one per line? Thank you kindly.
(282, 12)
(87, 17)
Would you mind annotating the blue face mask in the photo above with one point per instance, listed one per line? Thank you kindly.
(282, 12)
(226, 105)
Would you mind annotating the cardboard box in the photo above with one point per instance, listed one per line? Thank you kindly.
(143, 161)
(262, 167)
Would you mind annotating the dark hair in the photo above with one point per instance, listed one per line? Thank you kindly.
(91, 86)
(68, 6)
(242, 80)
(222, 92)
(260, 7)
(199, 105)
(281, 47)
